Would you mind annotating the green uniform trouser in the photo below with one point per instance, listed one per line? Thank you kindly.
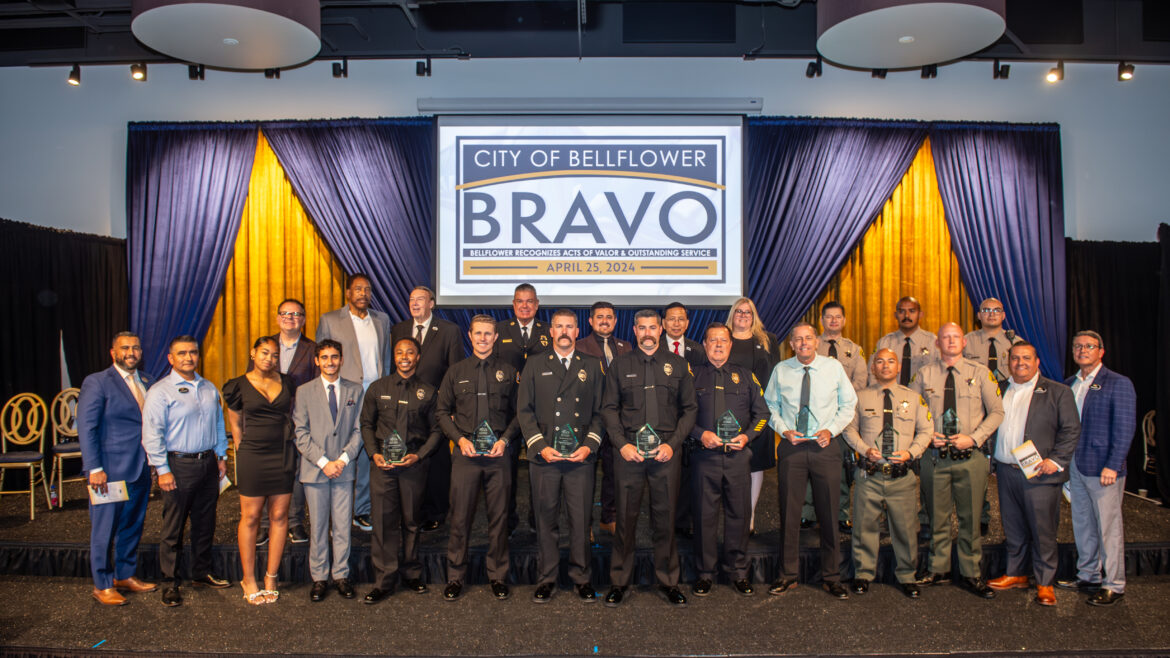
(958, 486)
(898, 497)
(809, 514)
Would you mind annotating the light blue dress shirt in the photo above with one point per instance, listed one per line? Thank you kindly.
(832, 399)
(182, 416)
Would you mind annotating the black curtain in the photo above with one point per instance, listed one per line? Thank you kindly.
(1113, 289)
(57, 287)
(1161, 360)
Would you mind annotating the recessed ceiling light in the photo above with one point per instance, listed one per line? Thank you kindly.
(906, 39)
(231, 42)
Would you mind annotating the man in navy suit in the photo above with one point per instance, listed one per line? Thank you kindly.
(1107, 405)
(109, 426)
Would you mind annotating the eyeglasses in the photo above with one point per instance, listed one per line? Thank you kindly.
(990, 311)
(1084, 348)
(290, 314)
(740, 311)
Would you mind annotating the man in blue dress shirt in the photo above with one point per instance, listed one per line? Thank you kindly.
(811, 400)
(184, 438)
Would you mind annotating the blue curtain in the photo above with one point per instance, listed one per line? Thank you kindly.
(1002, 190)
(368, 184)
(185, 190)
(812, 187)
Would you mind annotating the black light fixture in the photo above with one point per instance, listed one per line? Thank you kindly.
(813, 70)
(1056, 73)
(878, 73)
(1124, 72)
(272, 73)
(195, 71)
(138, 71)
(341, 69)
(929, 71)
(423, 68)
(75, 76)
(1000, 71)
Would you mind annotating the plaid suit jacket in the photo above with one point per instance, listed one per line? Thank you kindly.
(1108, 421)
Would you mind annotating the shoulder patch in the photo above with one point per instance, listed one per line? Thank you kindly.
(991, 376)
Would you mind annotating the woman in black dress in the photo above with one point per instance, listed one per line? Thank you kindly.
(260, 413)
(754, 348)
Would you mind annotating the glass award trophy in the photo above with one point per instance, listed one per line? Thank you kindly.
(393, 448)
(727, 427)
(889, 442)
(565, 440)
(484, 438)
(806, 423)
(950, 423)
(646, 440)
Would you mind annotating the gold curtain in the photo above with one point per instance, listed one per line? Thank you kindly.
(906, 251)
(278, 254)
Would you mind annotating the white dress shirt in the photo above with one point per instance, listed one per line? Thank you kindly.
(367, 340)
(426, 325)
(1080, 386)
(321, 463)
(1016, 402)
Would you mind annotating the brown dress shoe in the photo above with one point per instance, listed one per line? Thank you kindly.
(610, 527)
(1009, 582)
(109, 596)
(135, 585)
(1045, 595)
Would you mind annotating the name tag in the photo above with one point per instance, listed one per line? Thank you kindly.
(545, 373)
(463, 381)
(506, 340)
(402, 402)
(632, 374)
(385, 397)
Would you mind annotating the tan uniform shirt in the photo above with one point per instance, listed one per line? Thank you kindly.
(852, 358)
(911, 421)
(977, 400)
(978, 345)
(922, 348)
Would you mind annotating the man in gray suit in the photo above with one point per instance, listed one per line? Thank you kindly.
(329, 439)
(364, 335)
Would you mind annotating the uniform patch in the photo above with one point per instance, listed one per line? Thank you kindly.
(499, 375)
(735, 378)
(581, 374)
(420, 394)
(991, 376)
(667, 369)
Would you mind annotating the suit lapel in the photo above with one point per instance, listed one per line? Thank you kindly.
(119, 384)
(303, 352)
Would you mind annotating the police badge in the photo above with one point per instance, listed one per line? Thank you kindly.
(581, 375)
(499, 375)
(420, 394)
(543, 340)
(735, 378)
(925, 351)
(667, 368)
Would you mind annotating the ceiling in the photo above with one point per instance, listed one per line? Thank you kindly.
(63, 32)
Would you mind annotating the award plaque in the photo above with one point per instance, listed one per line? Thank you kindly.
(393, 448)
(950, 423)
(646, 441)
(565, 440)
(806, 423)
(484, 438)
(727, 427)
(888, 437)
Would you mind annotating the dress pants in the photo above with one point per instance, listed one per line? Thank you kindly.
(721, 480)
(1098, 530)
(1031, 516)
(549, 483)
(630, 479)
(898, 498)
(115, 531)
(361, 485)
(396, 497)
(796, 467)
(468, 474)
(808, 512)
(436, 499)
(329, 503)
(196, 496)
(608, 497)
(959, 486)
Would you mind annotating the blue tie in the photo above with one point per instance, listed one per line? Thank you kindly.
(333, 402)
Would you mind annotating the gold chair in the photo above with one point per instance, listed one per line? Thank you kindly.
(1149, 444)
(22, 424)
(63, 411)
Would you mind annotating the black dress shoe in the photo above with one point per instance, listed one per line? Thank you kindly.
(297, 534)
(171, 597)
(859, 586)
(781, 585)
(805, 524)
(320, 589)
(978, 587)
(910, 590)
(1083, 586)
(261, 536)
(836, 589)
(430, 526)
(702, 587)
(543, 593)
(615, 597)
(984, 528)
(935, 579)
(1104, 597)
(344, 588)
(743, 586)
(500, 590)
(685, 533)
(845, 527)
(415, 585)
(211, 581)
(453, 591)
(376, 595)
(362, 522)
(672, 595)
(586, 593)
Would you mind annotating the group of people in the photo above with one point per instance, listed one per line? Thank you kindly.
(394, 431)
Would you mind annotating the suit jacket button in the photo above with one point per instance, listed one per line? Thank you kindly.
(558, 399)
(558, 413)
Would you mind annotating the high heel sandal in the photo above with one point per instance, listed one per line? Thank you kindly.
(270, 595)
(255, 598)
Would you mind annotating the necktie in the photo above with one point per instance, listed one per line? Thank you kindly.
(949, 391)
(720, 396)
(992, 357)
(904, 376)
(608, 352)
(832, 348)
(676, 348)
(136, 391)
(805, 394)
(651, 398)
(333, 402)
(481, 395)
(887, 423)
(565, 362)
(524, 335)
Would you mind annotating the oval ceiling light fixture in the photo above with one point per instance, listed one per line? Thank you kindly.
(904, 34)
(250, 35)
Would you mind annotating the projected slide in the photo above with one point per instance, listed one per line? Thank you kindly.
(629, 209)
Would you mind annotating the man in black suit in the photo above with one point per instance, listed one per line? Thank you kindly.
(675, 341)
(602, 344)
(442, 347)
(520, 338)
(1043, 412)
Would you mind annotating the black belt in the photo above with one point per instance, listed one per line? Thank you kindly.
(888, 469)
(192, 455)
(1015, 466)
(953, 453)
